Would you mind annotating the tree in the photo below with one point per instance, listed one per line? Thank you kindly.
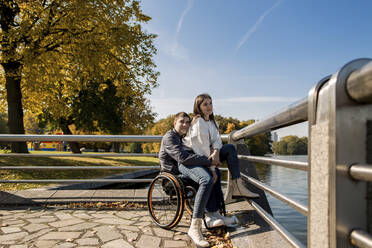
(159, 128)
(258, 145)
(291, 145)
(3, 121)
(51, 48)
(3, 127)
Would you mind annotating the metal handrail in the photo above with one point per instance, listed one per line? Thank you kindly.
(278, 227)
(293, 114)
(361, 238)
(284, 163)
(359, 88)
(36, 155)
(77, 167)
(79, 181)
(84, 167)
(361, 172)
(82, 138)
(359, 84)
(292, 203)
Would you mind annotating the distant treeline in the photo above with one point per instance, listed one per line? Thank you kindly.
(258, 145)
(291, 145)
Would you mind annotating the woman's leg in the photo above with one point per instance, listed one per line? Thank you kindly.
(201, 176)
(213, 202)
(228, 153)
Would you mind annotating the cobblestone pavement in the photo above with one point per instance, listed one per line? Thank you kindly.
(64, 228)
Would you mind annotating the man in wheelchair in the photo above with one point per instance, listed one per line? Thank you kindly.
(209, 197)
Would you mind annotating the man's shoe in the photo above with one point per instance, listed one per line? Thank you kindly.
(195, 233)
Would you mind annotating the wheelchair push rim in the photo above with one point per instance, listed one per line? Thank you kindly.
(165, 201)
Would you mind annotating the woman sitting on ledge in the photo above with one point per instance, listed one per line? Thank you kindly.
(177, 158)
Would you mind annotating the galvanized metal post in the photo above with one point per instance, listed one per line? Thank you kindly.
(337, 133)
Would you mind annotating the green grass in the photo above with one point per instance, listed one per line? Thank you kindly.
(64, 174)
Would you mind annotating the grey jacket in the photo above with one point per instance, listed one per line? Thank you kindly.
(173, 152)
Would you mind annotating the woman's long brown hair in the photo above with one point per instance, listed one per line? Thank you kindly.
(197, 111)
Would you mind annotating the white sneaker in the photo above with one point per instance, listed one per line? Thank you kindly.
(212, 221)
(195, 233)
(228, 221)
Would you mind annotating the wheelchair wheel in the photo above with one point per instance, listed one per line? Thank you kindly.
(190, 194)
(165, 201)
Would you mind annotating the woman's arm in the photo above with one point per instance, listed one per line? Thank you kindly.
(216, 141)
(198, 137)
(175, 149)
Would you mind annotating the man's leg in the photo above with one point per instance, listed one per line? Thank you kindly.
(204, 179)
(201, 176)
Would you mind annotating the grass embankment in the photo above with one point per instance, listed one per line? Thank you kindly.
(64, 174)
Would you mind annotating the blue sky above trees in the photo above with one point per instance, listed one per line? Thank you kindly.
(253, 57)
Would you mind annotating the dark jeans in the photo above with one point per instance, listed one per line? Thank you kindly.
(215, 201)
(228, 153)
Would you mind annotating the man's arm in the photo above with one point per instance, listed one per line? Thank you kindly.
(174, 148)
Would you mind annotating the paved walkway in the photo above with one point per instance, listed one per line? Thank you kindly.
(63, 228)
(35, 226)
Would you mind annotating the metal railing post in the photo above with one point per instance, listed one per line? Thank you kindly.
(337, 140)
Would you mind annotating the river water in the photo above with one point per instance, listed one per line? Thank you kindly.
(292, 183)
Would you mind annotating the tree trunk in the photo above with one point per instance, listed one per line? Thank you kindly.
(116, 146)
(14, 97)
(75, 148)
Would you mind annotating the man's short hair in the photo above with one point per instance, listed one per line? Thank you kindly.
(181, 115)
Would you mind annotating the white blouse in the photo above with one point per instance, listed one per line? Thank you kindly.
(202, 137)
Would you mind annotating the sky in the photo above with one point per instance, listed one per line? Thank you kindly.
(254, 57)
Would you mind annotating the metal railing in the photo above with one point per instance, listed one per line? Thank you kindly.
(354, 81)
(345, 94)
(80, 138)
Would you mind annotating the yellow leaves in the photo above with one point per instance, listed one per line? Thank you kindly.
(230, 127)
(219, 238)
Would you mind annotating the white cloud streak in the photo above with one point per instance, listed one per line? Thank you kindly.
(177, 50)
(190, 3)
(256, 25)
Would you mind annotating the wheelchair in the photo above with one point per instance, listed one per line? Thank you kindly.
(168, 196)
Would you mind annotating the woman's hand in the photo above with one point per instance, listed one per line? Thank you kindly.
(214, 174)
(215, 157)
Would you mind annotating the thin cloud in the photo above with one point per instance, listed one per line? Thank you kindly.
(256, 25)
(177, 50)
(190, 3)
